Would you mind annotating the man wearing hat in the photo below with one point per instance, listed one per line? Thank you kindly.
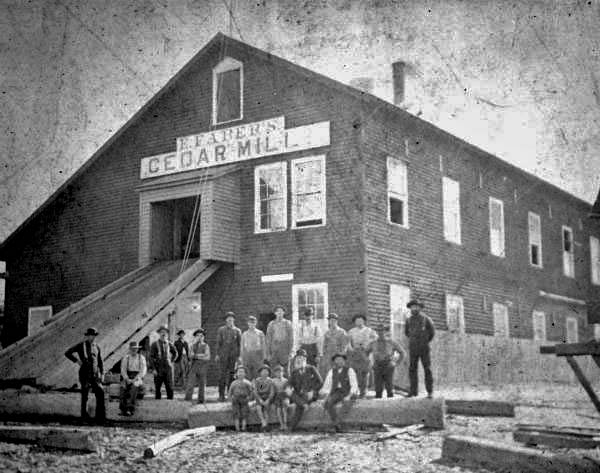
(420, 331)
(280, 340)
(340, 385)
(229, 339)
(385, 353)
(182, 359)
(200, 358)
(305, 383)
(133, 370)
(91, 371)
(310, 338)
(254, 348)
(162, 355)
(335, 341)
(361, 337)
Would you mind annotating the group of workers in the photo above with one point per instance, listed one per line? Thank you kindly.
(263, 369)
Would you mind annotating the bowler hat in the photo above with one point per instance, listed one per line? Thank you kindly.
(229, 314)
(200, 330)
(134, 345)
(333, 315)
(91, 331)
(362, 316)
(181, 332)
(415, 302)
(163, 328)
(265, 367)
(251, 319)
(301, 352)
(337, 355)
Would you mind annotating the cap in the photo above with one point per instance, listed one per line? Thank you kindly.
(415, 302)
(229, 314)
(251, 318)
(181, 332)
(134, 345)
(338, 355)
(362, 316)
(277, 368)
(163, 328)
(309, 311)
(200, 330)
(265, 367)
(301, 352)
(91, 331)
(333, 315)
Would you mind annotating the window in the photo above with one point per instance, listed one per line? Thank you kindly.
(308, 192)
(595, 259)
(399, 297)
(535, 240)
(539, 325)
(228, 96)
(397, 191)
(572, 335)
(501, 326)
(497, 227)
(270, 197)
(455, 315)
(568, 252)
(597, 332)
(37, 317)
(451, 196)
(310, 295)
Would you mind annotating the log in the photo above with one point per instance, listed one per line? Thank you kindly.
(555, 429)
(52, 437)
(16, 383)
(511, 457)
(168, 442)
(363, 412)
(555, 439)
(480, 408)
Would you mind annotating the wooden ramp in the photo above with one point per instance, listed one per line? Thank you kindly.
(127, 309)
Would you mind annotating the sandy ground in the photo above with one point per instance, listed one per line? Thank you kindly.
(121, 448)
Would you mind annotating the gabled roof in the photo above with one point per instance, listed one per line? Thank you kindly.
(595, 213)
(372, 102)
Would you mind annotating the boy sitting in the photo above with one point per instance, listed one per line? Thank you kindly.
(264, 392)
(281, 400)
(240, 393)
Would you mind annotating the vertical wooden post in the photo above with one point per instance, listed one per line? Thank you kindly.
(584, 382)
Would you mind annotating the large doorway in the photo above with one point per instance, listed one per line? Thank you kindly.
(171, 228)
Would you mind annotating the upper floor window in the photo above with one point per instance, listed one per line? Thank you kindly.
(497, 246)
(228, 91)
(270, 197)
(568, 252)
(455, 314)
(539, 325)
(572, 330)
(308, 192)
(535, 240)
(397, 191)
(501, 324)
(451, 197)
(595, 259)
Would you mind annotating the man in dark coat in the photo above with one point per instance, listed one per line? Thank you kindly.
(420, 331)
(340, 386)
(229, 339)
(182, 360)
(305, 383)
(91, 371)
(162, 355)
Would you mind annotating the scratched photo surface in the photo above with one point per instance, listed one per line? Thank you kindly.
(517, 80)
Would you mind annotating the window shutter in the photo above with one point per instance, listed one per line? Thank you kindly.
(451, 207)
(594, 259)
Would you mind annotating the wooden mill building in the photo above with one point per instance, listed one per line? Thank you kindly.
(249, 182)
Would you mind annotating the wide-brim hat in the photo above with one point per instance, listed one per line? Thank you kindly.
(180, 332)
(265, 367)
(301, 352)
(338, 355)
(229, 314)
(415, 302)
(362, 316)
(91, 331)
(200, 330)
(333, 316)
(163, 328)
(133, 345)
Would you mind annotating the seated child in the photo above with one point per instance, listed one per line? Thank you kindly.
(240, 394)
(281, 399)
(264, 392)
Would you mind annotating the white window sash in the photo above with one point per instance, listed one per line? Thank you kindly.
(282, 166)
(322, 215)
(455, 316)
(539, 325)
(227, 64)
(501, 320)
(398, 192)
(535, 237)
(497, 243)
(572, 330)
(399, 297)
(451, 200)
(595, 259)
(568, 256)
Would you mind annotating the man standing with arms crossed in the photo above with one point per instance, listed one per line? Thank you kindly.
(361, 337)
(280, 340)
(420, 331)
(335, 341)
(162, 354)
(254, 349)
(229, 339)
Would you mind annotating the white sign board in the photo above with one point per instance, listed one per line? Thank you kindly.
(235, 144)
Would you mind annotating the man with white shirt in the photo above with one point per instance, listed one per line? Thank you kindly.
(310, 338)
(361, 337)
(340, 385)
(254, 349)
(133, 370)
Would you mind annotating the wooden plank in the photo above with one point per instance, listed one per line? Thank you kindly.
(511, 457)
(16, 383)
(480, 408)
(364, 412)
(393, 432)
(52, 437)
(584, 381)
(577, 349)
(548, 349)
(555, 439)
(577, 431)
(172, 440)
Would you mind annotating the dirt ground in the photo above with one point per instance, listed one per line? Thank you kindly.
(121, 448)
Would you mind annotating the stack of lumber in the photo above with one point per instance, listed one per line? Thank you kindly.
(127, 309)
(558, 437)
(482, 408)
(52, 437)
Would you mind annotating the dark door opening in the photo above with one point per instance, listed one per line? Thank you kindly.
(172, 228)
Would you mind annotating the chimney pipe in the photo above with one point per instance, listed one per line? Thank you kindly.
(398, 70)
(364, 84)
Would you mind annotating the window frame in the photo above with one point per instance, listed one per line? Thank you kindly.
(564, 252)
(531, 242)
(320, 157)
(456, 236)
(506, 316)
(402, 294)
(390, 193)
(539, 315)
(48, 308)
(567, 338)
(226, 64)
(493, 200)
(461, 328)
(257, 201)
(595, 265)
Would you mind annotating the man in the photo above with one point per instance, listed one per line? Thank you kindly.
(305, 383)
(310, 339)
(91, 371)
(335, 341)
(280, 340)
(200, 358)
(133, 370)
(162, 354)
(361, 337)
(385, 354)
(229, 339)
(420, 331)
(254, 348)
(340, 385)
(182, 359)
